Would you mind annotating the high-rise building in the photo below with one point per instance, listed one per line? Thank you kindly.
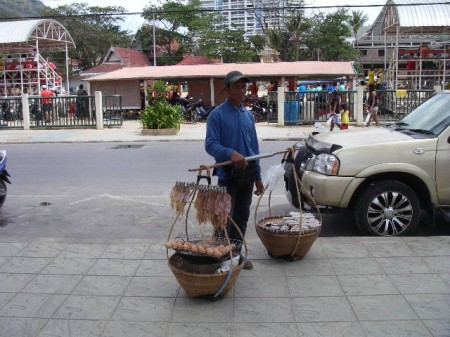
(249, 15)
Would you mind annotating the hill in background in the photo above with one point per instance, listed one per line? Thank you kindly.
(20, 8)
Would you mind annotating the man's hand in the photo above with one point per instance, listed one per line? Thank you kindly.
(238, 160)
(259, 187)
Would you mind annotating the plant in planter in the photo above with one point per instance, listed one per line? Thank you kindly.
(160, 114)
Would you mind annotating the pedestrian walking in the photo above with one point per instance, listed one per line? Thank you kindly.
(372, 105)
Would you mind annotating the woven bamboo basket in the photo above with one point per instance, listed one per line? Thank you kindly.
(203, 285)
(279, 245)
(199, 280)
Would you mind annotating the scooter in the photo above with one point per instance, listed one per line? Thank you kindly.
(197, 110)
(3, 177)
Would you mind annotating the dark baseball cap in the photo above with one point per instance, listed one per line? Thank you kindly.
(234, 76)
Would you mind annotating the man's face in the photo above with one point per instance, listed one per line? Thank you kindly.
(236, 92)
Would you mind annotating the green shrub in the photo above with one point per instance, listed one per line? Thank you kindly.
(160, 114)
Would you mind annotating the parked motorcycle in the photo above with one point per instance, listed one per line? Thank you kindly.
(8, 113)
(192, 112)
(3, 177)
(196, 110)
(259, 112)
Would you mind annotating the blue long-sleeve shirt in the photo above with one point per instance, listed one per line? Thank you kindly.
(231, 129)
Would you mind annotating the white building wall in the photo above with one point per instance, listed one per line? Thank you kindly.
(233, 14)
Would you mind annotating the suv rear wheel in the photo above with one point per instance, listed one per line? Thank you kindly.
(387, 208)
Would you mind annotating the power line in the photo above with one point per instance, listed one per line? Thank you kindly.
(264, 9)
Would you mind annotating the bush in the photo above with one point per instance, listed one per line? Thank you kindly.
(160, 114)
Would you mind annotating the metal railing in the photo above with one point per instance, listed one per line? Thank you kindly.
(393, 105)
(312, 106)
(11, 112)
(112, 110)
(60, 112)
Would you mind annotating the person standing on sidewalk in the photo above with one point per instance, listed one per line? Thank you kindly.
(372, 105)
(81, 101)
(231, 135)
(47, 102)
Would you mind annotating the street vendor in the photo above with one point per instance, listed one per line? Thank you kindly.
(231, 135)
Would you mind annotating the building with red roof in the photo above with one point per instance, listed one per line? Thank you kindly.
(117, 58)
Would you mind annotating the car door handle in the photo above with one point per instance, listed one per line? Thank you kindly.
(419, 150)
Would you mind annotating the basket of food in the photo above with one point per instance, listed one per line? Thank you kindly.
(204, 265)
(290, 236)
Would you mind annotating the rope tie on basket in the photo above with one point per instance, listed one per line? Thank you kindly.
(230, 272)
(288, 155)
(299, 186)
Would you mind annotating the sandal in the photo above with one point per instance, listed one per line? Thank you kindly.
(248, 265)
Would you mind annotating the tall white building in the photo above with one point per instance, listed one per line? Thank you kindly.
(242, 14)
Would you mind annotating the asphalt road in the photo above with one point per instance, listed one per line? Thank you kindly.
(115, 191)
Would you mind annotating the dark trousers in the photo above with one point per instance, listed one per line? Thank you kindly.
(241, 199)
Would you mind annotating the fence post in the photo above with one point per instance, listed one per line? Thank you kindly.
(99, 109)
(437, 89)
(26, 112)
(359, 108)
(280, 105)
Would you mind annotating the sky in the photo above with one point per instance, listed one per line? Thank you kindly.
(133, 22)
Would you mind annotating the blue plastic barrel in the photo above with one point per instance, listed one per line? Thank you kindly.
(291, 112)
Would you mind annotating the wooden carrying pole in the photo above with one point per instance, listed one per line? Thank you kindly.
(229, 162)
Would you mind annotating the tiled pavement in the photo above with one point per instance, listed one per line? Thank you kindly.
(343, 287)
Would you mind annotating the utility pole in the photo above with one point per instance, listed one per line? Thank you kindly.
(154, 42)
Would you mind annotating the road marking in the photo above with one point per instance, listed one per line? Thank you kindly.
(115, 197)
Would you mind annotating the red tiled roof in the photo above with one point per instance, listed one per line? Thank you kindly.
(193, 60)
(103, 68)
(131, 57)
(126, 58)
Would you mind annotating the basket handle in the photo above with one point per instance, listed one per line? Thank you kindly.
(298, 187)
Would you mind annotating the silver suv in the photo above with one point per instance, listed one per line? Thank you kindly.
(385, 175)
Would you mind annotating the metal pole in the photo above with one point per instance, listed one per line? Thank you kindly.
(396, 59)
(67, 70)
(154, 42)
(445, 61)
(385, 53)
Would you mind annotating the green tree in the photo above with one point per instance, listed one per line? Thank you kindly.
(94, 30)
(227, 44)
(162, 38)
(297, 24)
(198, 33)
(356, 22)
(326, 40)
(287, 39)
(180, 24)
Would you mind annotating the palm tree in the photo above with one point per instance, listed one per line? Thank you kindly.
(357, 21)
(297, 25)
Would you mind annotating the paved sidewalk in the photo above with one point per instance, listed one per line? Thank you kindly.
(345, 286)
(131, 132)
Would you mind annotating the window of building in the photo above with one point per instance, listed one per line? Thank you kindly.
(380, 52)
(363, 52)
